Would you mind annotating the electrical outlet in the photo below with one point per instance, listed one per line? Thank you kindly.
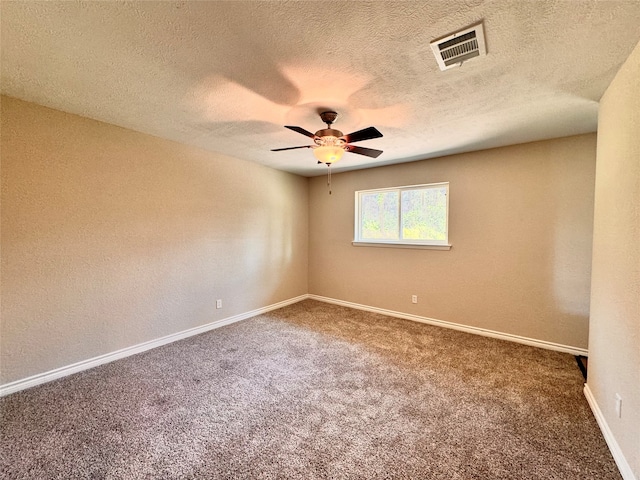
(414, 298)
(618, 405)
(218, 303)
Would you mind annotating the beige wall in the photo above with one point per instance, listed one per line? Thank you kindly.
(111, 238)
(520, 225)
(614, 341)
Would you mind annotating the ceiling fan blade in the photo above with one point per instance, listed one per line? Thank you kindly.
(289, 148)
(369, 152)
(300, 130)
(364, 134)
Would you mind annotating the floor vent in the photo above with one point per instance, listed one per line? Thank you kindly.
(453, 50)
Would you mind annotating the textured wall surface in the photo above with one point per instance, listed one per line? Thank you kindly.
(111, 238)
(521, 227)
(614, 340)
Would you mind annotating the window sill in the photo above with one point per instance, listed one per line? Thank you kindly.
(401, 245)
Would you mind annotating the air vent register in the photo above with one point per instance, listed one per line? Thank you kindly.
(453, 50)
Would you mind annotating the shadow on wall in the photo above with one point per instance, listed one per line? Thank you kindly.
(573, 238)
(111, 238)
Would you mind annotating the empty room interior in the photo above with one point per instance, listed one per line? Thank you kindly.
(304, 239)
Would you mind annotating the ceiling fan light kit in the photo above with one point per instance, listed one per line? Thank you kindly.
(328, 154)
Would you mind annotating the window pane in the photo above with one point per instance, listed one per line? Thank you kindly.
(379, 214)
(424, 214)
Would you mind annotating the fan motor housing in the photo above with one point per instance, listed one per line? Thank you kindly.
(329, 132)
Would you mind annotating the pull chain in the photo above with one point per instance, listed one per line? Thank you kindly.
(329, 177)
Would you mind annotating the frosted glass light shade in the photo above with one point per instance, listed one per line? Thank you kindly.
(328, 153)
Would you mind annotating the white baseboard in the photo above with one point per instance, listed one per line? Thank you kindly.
(456, 326)
(618, 456)
(45, 377)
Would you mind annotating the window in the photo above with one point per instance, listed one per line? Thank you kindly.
(415, 216)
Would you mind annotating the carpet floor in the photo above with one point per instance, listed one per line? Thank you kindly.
(312, 391)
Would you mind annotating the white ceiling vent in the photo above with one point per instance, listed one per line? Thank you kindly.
(459, 47)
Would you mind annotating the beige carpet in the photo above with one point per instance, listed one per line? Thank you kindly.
(313, 391)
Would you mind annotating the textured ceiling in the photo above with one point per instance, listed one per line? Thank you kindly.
(226, 76)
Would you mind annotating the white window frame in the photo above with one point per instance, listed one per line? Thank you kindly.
(402, 243)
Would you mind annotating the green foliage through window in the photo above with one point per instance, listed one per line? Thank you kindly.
(416, 214)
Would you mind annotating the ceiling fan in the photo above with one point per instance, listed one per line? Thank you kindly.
(330, 144)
